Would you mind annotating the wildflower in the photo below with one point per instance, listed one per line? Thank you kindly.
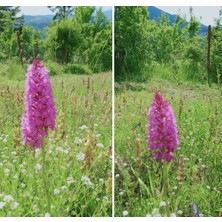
(80, 156)
(40, 110)
(162, 135)
(8, 198)
(78, 140)
(162, 204)
(125, 213)
(24, 171)
(100, 145)
(195, 210)
(180, 212)
(101, 180)
(6, 171)
(47, 214)
(35, 208)
(117, 175)
(56, 191)
(15, 176)
(38, 167)
(105, 198)
(70, 180)
(13, 153)
(155, 213)
(14, 205)
(173, 215)
(59, 149)
(23, 185)
(37, 152)
(66, 151)
(87, 181)
(2, 204)
(83, 127)
(63, 187)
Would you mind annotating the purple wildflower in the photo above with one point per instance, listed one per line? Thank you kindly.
(196, 213)
(40, 113)
(162, 132)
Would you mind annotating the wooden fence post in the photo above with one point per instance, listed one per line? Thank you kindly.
(20, 48)
(208, 56)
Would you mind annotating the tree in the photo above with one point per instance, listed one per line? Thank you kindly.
(62, 41)
(131, 52)
(61, 12)
(83, 14)
(11, 12)
(194, 24)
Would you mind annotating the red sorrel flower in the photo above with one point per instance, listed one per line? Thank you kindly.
(40, 113)
(162, 132)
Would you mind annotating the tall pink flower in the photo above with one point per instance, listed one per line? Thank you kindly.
(40, 113)
(162, 131)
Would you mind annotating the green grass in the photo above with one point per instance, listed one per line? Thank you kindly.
(138, 186)
(80, 100)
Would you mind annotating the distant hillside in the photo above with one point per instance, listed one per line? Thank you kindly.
(154, 13)
(40, 22)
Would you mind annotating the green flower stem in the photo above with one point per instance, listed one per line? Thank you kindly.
(35, 186)
(165, 188)
(44, 179)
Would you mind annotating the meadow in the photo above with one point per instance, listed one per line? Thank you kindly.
(78, 153)
(194, 177)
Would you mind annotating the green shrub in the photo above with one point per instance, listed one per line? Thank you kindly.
(77, 69)
(53, 68)
(12, 70)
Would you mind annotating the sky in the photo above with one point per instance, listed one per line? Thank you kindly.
(43, 10)
(208, 13)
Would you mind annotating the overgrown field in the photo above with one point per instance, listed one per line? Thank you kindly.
(78, 153)
(195, 174)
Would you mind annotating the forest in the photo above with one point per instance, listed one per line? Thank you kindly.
(79, 39)
(178, 50)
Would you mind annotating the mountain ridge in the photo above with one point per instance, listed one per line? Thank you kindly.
(155, 12)
(40, 22)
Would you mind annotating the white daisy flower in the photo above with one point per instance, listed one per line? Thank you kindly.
(162, 204)
(2, 204)
(86, 180)
(38, 167)
(6, 171)
(63, 187)
(8, 198)
(70, 180)
(173, 215)
(56, 191)
(83, 127)
(14, 205)
(125, 213)
(80, 156)
(47, 214)
(100, 145)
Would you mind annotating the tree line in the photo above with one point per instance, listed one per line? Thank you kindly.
(141, 44)
(77, 35)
